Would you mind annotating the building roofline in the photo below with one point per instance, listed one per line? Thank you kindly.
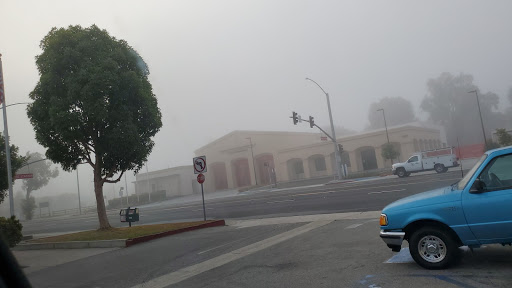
(364, 134)
(166, 169)
(260, 132)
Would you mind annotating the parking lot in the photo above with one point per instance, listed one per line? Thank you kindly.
(337, 250)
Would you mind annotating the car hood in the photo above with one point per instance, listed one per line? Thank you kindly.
(432, 197)
(397, 165)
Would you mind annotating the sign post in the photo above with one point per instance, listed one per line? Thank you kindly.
(199, 164)
(200, 179)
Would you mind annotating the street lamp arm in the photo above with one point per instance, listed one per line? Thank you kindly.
(316, 84)
(26, 164)
(17, 104)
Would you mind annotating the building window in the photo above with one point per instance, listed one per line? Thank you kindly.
(320, 164)
(298, 167)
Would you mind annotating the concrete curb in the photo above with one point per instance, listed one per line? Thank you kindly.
(72, 245)
(118, 243)
(134, 241)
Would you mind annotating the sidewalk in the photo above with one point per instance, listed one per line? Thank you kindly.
(34, 260)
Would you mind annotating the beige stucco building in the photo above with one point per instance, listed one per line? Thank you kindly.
(286, 156)
(176, 181)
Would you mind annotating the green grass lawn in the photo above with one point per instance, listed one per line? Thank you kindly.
(118, 233)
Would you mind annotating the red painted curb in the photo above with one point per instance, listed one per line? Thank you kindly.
(142, 239)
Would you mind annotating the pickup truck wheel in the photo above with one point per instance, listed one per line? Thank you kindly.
(401, 172)
(433, 248)
(407, 174)
(439, 168)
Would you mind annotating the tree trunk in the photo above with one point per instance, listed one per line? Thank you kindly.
(27, 211)
(100, 202)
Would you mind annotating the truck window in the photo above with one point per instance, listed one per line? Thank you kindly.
(497, 175)
(413, 159)
(464, 181)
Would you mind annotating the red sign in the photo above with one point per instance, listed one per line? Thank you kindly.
(200, 178)
(23, 176)
(323, 138)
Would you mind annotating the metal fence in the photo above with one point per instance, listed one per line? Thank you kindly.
(74, 211)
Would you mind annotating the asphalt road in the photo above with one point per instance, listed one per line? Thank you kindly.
(334, 198)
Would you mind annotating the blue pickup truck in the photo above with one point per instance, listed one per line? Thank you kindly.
(473, 211)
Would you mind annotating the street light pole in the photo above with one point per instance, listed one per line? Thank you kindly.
(336, 151)
(385, 124)
(6, 135)
(480, 112)
(253, 165)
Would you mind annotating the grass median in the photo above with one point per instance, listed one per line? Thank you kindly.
(119, 233)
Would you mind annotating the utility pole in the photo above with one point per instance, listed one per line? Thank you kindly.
(386, 126)
(126, 185)
(336, 152)
(480, 112)
(253, 165)
(6, 135)
(147, 175)
(78, 186)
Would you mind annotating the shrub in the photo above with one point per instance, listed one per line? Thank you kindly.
(10, 230)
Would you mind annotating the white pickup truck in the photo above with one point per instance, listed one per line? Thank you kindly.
(439, 160)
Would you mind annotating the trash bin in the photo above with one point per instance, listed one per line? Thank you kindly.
(129, 215)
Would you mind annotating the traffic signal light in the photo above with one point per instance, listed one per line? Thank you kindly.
(340, 148)
(311, 122)
(295, 119)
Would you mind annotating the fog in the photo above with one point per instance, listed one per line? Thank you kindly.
(218, 66)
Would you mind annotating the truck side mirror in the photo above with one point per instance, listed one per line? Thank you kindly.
(477, 187)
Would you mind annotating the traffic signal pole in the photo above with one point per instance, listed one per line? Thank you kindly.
(336, 149)
(336, 152)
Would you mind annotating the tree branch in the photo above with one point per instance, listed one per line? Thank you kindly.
(87, 156)
(105, 180)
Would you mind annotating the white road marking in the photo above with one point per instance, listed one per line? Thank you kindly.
(191, 271)
(314, 193)
(305, 218)
(354, 226)
(386, 191)
(202, 209)
(288, 200)
(176, 208)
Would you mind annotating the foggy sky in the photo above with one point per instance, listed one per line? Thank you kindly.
(218, 66)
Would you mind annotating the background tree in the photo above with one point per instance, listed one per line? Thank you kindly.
(42, 173)
(398, 110)
(93, 104)
(389, 152)
(504, 139)
(16, 162)
(449, 104)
